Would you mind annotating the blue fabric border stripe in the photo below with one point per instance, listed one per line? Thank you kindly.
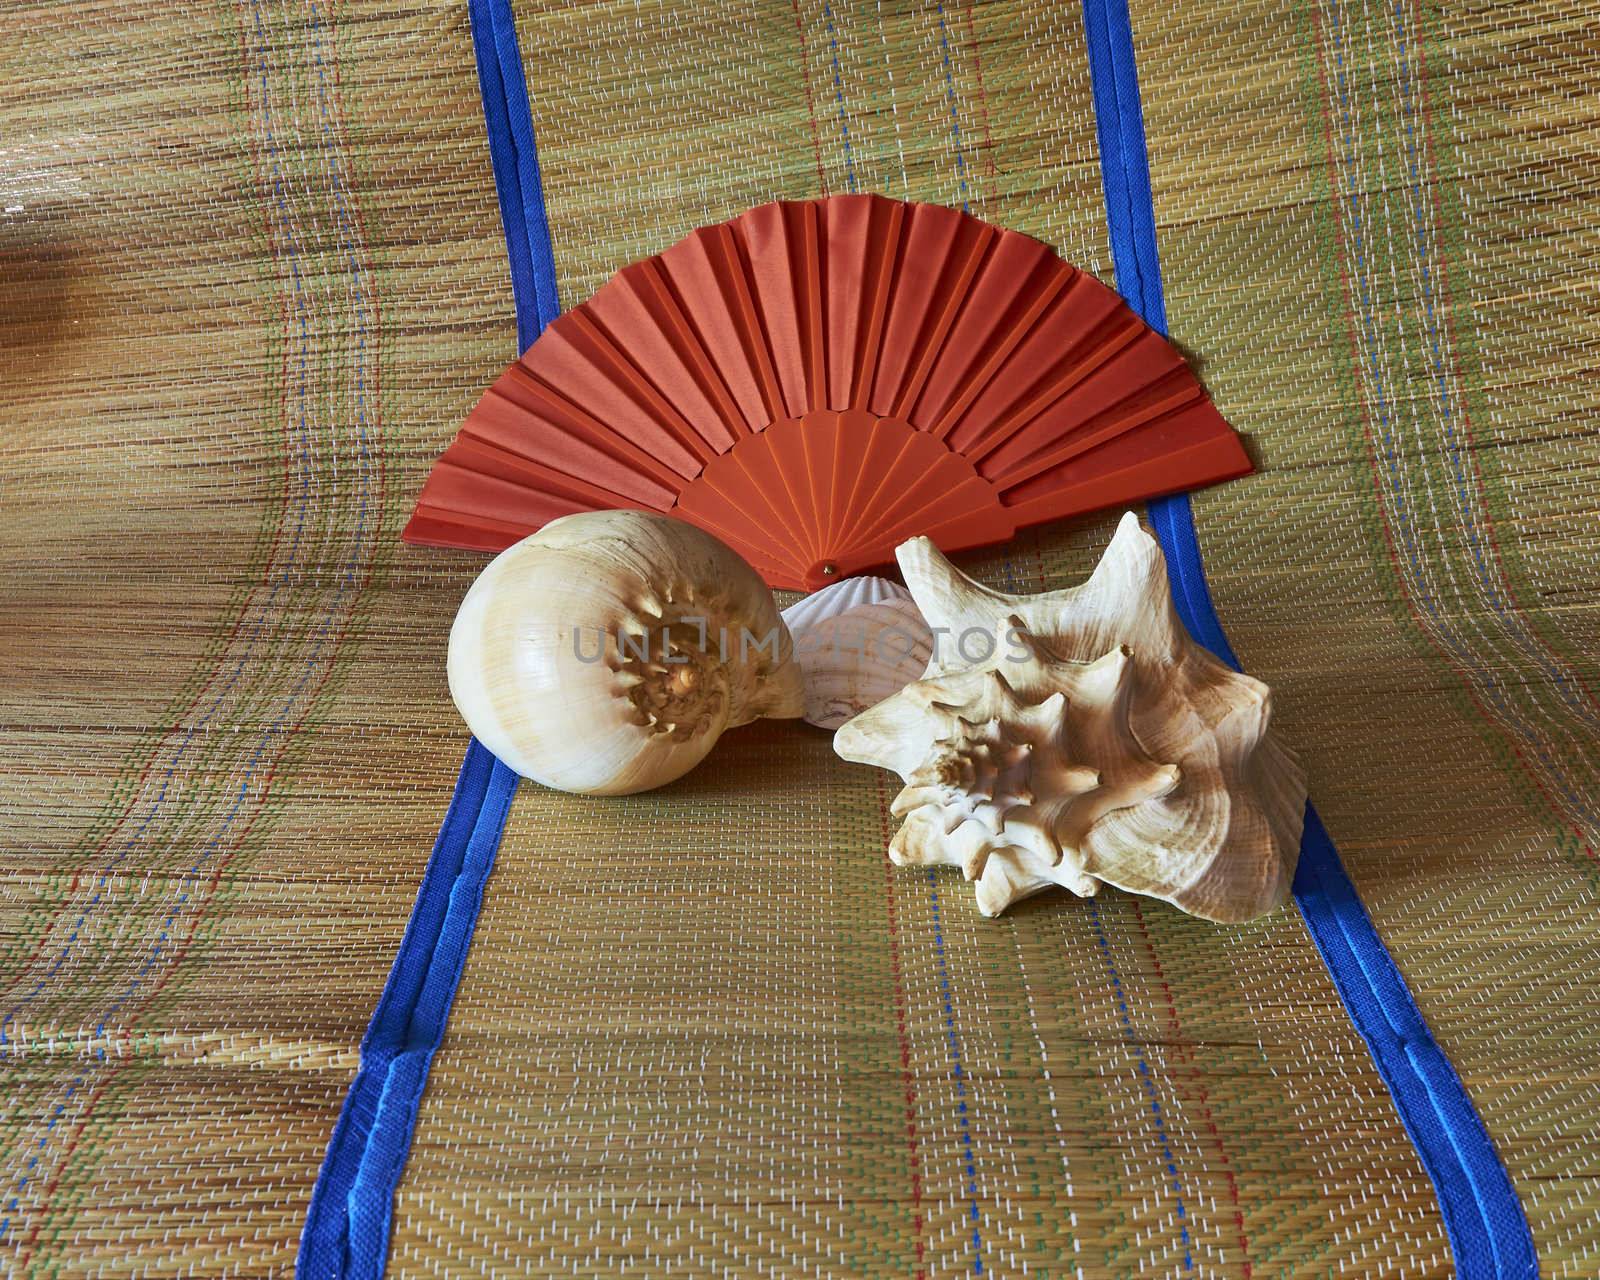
(1488, 1230)
(346, 1236)
(515, 158)
(347, 1229)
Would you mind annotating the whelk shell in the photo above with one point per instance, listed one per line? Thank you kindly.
(608, 652)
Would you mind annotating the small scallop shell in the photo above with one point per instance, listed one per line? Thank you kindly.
(857, 642)
(842, 596)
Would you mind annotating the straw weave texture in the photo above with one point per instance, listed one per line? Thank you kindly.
(252, 270)
(253, 276)
(1394, 263)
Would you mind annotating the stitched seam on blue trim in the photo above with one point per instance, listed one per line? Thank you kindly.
(1483, 1216)
(348, 1225)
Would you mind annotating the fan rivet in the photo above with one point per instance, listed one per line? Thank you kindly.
(829, 569)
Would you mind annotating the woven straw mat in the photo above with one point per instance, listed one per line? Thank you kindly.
(253, 276)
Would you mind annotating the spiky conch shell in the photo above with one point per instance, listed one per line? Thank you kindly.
(1194, 801)
(608, 652)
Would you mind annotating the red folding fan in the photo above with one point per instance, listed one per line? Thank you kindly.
(816, 382)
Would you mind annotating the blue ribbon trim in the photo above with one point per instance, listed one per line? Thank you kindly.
(347, 1229)
(346, 1236)
(515, 157)
(1488, 1231)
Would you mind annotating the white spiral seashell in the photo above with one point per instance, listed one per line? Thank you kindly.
(857, 642)
(608, 652)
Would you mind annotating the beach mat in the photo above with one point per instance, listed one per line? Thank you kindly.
(256, 276)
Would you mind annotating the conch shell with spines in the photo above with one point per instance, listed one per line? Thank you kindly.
(608, 652)
(1095, 743)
